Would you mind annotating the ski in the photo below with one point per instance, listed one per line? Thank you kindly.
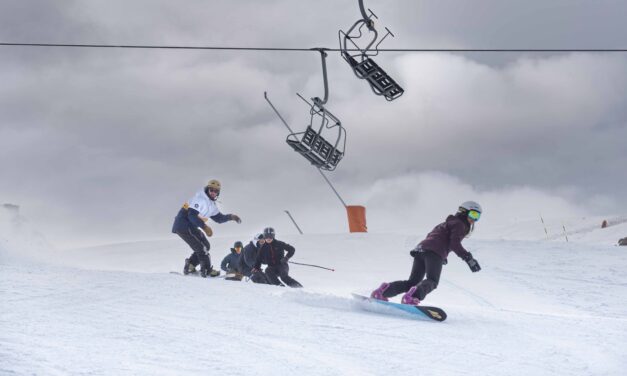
(196, 274)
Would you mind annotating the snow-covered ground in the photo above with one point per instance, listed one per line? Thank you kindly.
(538, 307)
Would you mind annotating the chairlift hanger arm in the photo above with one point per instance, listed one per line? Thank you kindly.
(323, 56)
(367, 19)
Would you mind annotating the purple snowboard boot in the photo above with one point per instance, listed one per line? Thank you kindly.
(409, 298)
(378, 293)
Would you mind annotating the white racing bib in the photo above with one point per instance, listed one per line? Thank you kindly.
(205, 207)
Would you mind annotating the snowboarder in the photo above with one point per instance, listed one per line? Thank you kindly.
(248, 258)
(230, 262)
(273, 254)
(191, 218)
(430, 254)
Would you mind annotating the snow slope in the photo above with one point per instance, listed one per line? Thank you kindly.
(538, 307)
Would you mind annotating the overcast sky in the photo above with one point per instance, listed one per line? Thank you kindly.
(104, 145)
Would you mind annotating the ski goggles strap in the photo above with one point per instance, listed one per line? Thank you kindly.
(474, 215)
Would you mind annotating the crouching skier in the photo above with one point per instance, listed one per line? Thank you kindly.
(191, 218)
(248, 258)
(430, 254)
(230, 263)
(273, 254)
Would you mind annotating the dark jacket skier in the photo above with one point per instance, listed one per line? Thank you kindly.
(230, 263)
(431, 253)
(248, 258)
(273, 253)
(191, 218)
(249, 255)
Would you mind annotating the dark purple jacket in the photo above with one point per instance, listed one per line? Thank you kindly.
(447, 237)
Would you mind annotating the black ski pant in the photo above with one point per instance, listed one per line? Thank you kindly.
(259, 277)
(199, 244)
(273, 272)
(426, 263)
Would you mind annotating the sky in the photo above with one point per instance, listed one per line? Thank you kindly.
(104, 145)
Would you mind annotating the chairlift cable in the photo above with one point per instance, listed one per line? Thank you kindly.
(290, 49)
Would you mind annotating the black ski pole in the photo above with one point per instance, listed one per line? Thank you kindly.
(315, 266)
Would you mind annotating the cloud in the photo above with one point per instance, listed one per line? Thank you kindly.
(542, 120)
(420, 200)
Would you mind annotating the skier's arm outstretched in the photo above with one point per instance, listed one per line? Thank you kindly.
(458, 232)
(221, 218)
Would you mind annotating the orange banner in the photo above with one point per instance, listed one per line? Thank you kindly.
(356, 218)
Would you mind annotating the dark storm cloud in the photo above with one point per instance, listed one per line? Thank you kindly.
(107, 143)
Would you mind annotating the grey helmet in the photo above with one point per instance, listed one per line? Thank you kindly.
(470, 205)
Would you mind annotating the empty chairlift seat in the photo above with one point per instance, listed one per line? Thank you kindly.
(315, 149)
(380, 82)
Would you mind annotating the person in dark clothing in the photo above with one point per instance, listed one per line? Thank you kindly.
(431, 253)
(249, 257)
(191, 218)
(273, 254)
(230, 262)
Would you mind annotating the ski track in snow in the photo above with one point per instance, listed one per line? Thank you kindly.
(536, 308)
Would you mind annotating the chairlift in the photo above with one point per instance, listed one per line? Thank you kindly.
(359, 58)
(322, 152)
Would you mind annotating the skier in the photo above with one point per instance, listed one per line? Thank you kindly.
(273, 254)
(191, 218)
(430, 254)
(230, 263)
(248, 258)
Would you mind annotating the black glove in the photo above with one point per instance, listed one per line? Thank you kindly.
(472, 263)
(284, 260)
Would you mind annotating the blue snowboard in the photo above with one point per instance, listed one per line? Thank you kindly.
(417, 312)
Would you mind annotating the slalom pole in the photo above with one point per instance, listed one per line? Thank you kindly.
(315, 266)
(293, 221)
(565, 235)
(544, 225)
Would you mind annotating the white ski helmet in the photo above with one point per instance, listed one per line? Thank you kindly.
(470, 205)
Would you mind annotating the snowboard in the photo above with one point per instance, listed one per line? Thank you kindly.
(416, 312)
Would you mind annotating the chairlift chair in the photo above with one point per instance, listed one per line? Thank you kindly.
(360, 60)
(312, 145)
(321, 151)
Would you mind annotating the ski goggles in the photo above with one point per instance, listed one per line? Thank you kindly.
(474, 215)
